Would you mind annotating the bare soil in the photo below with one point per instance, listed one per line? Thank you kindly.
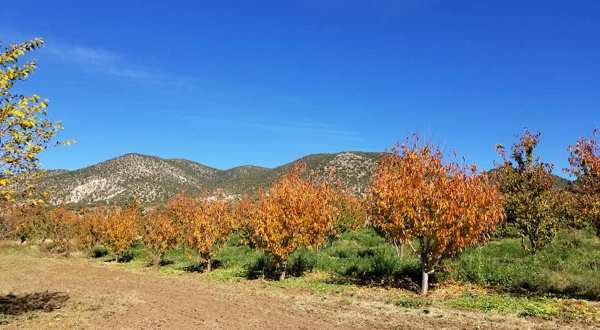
(57, 293)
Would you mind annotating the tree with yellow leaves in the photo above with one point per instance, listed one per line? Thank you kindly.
(445, 207)
(61, 229)
(183, 210)
(121, 229)
(90, 227)
(209, 228)
(243, 212)
(24, 129)
(161, 234)
(352, 212)
(295, 212)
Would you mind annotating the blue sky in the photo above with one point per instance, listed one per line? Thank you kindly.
(227, 83)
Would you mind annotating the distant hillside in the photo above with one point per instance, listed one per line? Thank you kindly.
(153, 179)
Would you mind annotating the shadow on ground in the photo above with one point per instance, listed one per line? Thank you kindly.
(15, 305)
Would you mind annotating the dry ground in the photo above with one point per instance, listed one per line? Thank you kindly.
(42, 292)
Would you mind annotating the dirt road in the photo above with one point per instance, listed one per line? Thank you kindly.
(78, 293)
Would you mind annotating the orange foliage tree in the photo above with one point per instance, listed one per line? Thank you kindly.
(90, 228)
(12, 221)
(32, 223)
(352, 212)
(585, 165)
(209, 228)
(121, 229)
(445, 207)
(182, 209)
(161, 234)
(295, 212)
(61, 229)
(243, 211)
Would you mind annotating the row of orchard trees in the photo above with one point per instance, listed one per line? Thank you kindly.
(446, 207)
(534, 207)
(296, 211)
(417, 199)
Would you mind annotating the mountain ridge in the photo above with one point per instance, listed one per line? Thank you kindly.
(152, 179)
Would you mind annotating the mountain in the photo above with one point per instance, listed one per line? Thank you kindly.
(152, 179)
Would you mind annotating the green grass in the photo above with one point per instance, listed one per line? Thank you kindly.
(410, 302)
(515, 282)
(569, 266)
(506, 304)
(318, 282)
(364, 257)
(523, 306)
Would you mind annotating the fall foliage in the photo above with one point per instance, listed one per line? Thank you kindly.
(295, 212)
(416, 199)
(121, 229)
(24, 222)
(24, 129)
(244, 211)
(61, 229)
(183, 210)
(585, 166)
(161, 234)
(90, 228)
(445, 207)
(352, 212)
(208, 229)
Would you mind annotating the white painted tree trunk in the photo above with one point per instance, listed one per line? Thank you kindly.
(283, 269)
(424, 283)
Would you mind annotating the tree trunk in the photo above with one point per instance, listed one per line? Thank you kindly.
(157, 261)
(283, 269)
(424, 283)
(425, 268)
(208, 265)
(397, 248)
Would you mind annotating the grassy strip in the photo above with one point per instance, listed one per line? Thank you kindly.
(546, 308)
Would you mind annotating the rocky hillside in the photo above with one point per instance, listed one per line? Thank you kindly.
(153, 179)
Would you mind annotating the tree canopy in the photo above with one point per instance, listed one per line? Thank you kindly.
(25, 130)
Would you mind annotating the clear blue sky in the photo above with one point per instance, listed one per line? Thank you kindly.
(264, 82)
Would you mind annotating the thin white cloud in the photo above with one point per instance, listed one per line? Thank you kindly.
(102, 61)
(97, 60)
(83, 55)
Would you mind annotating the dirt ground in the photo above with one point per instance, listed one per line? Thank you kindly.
(39, 292)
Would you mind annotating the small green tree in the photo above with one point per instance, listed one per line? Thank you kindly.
(530, 199)
(24, 129)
